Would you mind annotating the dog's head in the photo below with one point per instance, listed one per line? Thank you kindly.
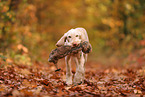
(73, 37)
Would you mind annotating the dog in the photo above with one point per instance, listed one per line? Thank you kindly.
(72, 38)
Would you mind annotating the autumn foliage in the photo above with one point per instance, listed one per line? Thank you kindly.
(29, 30)
(42, 80)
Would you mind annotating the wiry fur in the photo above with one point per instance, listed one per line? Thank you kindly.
(73, 37)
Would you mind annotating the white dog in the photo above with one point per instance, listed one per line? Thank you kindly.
(73, 37)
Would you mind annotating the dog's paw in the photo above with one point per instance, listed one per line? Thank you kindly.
(78, 81)
(78, 78)
(69, 79)
(69, 82)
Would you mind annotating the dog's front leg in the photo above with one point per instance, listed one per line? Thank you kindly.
(68, 70)
(80, 69)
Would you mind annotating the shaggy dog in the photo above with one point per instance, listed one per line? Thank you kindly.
(73, 38)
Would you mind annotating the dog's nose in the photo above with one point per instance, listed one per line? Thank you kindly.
(74, 44)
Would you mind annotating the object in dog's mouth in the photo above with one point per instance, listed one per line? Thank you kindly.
(65, 50)
(57, 69)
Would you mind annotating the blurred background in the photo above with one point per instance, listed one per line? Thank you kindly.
(29, 29)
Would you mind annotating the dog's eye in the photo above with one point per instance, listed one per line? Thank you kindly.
(77, 35)
(69, 36)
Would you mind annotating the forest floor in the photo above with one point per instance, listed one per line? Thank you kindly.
(41, 80)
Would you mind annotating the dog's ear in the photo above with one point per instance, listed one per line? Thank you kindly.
(83, 34)
(62, 40)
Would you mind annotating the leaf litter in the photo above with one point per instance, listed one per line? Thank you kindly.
(40, 80)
